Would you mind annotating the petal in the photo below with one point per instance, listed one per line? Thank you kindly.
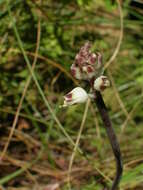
(77, 95)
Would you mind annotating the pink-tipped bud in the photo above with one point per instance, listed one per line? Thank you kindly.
(77, 95)
(84, 51)
(88, 71)
(99, 61)
(101, 83)
(92, 58)
(76, 72)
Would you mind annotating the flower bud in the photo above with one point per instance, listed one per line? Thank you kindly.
(87, 65)
(101, 83)
(92, 58)
(88, 71)
(77, 95)
(76, 72)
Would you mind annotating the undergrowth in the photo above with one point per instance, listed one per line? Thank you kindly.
(65, 26)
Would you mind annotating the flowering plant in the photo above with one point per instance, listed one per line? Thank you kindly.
(88, 66)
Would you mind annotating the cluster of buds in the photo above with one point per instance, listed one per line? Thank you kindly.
(87, 66)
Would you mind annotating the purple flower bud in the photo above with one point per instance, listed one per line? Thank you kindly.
(76, 72)
(84, 51)
(99, 61)
(92, 58)
(101, 83)
(88, 71)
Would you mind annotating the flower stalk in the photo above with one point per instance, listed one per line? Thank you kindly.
(112, 137)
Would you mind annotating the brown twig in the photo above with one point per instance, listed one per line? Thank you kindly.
(50, 62)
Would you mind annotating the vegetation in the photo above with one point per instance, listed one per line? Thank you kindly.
(38, 44)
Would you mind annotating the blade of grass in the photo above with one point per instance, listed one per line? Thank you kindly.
(30, 117)
(34, 77)
(23, 94)
(115, 53)
(117, 95)
(132, 174)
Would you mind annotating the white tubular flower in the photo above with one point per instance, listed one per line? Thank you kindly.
(77, 95)
(101, 83)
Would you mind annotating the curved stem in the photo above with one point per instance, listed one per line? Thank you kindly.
(112, 137)
(115, 53)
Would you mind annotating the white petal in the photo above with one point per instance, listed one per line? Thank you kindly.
(79, 95)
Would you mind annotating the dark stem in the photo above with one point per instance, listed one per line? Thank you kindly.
(112, 137)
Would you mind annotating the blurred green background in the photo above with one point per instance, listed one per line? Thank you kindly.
(65, 26)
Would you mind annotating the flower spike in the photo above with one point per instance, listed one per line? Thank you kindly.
(87, 65)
